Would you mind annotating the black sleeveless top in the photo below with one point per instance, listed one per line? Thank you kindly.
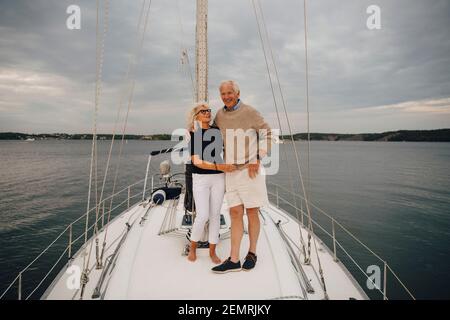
(207, 144)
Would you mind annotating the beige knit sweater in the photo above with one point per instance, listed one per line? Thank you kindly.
(244, 132)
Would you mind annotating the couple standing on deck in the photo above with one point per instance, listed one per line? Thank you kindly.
(241, 132)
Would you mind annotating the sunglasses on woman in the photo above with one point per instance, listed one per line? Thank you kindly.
(204, 111)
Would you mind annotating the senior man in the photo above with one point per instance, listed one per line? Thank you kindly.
(247, 139)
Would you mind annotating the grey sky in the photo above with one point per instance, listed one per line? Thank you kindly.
(361, 80)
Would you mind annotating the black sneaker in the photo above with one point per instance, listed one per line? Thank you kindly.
(227, 266)
(250, 261)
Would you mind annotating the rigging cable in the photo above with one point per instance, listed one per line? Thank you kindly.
(322, 277)
(284, 107)
(311, 231)
(130, 100)
(86, 265)
(99, 69)
(184, 52)
(307, 114)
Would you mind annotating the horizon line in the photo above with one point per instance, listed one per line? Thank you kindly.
(150, 134)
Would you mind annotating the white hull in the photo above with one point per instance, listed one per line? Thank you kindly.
(152, 266)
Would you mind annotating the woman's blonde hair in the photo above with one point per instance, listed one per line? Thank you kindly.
(191, 122)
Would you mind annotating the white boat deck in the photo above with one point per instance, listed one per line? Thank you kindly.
(152, 266)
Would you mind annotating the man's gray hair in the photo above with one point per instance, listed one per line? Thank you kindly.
(232, 83)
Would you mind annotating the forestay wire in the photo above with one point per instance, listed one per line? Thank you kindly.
(131, 67)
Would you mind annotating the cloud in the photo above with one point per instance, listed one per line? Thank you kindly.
(438, 106)
(47, 72)
(410, 115)
(23, 83)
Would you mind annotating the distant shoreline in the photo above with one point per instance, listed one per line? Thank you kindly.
(78, 136)
(437, 135)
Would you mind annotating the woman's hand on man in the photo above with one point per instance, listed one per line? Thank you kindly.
(225, 167)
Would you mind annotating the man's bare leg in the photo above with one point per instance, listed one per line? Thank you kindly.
(237, 231)
(253, 227)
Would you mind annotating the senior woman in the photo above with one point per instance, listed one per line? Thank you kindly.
(208, 178)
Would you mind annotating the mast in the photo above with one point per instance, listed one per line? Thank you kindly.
(201, 46)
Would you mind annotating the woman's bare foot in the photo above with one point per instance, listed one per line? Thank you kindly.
(212, 253)
(215, 259)
(192, 256)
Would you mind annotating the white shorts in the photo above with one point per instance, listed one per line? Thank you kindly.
(242, 190)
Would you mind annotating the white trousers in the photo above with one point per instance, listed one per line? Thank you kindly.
(208, 191)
